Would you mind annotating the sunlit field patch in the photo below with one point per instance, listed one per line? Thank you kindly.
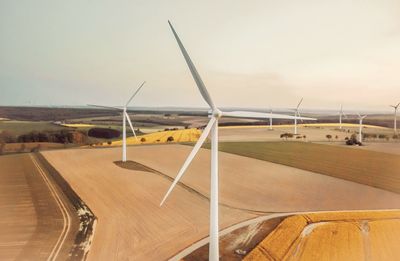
(335, 125)
(186, 135)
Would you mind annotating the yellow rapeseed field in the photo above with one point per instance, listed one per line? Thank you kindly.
(357, 235)
(78, 125)
(186, 135)
(348, 125)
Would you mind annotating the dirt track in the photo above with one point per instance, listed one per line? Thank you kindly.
(126, 202)
(34, 225)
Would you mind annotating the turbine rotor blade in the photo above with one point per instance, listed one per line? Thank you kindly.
(193, 70)
(261, 115)
(105, 107)
(134, 94)
(298, 105)
(130, 124)
(298, 114)
(191, 156)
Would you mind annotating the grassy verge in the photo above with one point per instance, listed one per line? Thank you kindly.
(377, 169)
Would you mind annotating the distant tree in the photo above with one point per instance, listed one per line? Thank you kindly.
(109, 142)
(143, 139)
(22, 148)
(329, 137)
(382, 136)
(7, 137)
(396, 136)
(36, 149)
(170, 139)
(304, 137)
(336, 137)
(158, 140)
(286, 135)
(2, 147)
(103, 133)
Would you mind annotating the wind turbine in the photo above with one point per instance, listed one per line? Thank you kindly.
(211, 127)
(341, 114)
(360, 118)
(297, 114)
(395, 116)
(125, 117)
(270, 120)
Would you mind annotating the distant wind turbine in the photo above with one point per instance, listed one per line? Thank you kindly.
(211, 127)
(125, 117)
(360, 118)
(270, 120)
(297, 114)
(395, 116)
(341, 114)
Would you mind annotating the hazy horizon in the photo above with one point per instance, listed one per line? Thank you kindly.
(249, 54)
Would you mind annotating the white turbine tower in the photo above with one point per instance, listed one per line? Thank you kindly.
(125, 117)
(360, 118)
(297, 114)
(395, 116)
(270, 119)
(341, 114)
(212, 127)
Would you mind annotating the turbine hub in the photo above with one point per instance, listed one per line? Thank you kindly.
(217, 113)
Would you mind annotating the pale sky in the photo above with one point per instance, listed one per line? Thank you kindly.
(249, 53)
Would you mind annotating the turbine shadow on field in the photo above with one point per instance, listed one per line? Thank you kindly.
(136, 166)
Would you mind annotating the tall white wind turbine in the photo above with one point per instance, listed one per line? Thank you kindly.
(360, 119)
(341, 114)
(395, 116)
(125, 117)
(270, 119)
(211, 127)
(297, 114)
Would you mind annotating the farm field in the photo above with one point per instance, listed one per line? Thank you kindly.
(185, 135)
(31, 221)
(372, 168)
(133, 225)
(30, 146)
(366, 235)
(386, 147)
(312, 132)
(126, 203)
(22, 127)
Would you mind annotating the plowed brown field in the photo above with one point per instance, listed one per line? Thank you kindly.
(132, 225)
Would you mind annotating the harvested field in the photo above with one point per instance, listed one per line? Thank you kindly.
(312, 132)
(335, 125)
(126, 203)
(372, 235)
(133, 225)
(372, 168)
(34, 224)
(385, 147)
